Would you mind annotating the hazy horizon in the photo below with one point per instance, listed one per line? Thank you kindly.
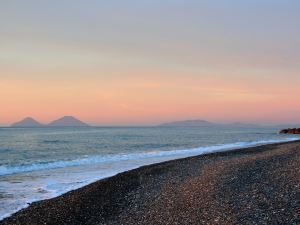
(154, 124)
(148, 62)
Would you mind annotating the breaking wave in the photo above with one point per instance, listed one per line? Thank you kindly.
(91, 160)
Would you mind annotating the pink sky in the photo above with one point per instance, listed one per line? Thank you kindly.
(151, 100)
(140, 63)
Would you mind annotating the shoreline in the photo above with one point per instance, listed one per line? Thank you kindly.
(183, 153)
(173, 154)
(179, 154)
(122, 190)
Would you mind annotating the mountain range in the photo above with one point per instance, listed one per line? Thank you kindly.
(66, 121)
(204, 123)
(70, 121)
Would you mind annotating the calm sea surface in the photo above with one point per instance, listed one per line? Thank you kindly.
(42, 163)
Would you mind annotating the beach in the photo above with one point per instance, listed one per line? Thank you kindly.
(257, 185)
(149, 112)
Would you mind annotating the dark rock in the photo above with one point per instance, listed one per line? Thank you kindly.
(290, 131)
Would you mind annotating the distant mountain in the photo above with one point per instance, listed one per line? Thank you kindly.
(204, 123)
(27, 122)
(67, 121)
(188, 123)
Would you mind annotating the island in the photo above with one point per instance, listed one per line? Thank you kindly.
(27, 122)
(205, 123)
(66, 121)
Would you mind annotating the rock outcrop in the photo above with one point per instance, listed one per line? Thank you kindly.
(290, 131)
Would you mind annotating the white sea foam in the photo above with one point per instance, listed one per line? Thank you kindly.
(7, 170)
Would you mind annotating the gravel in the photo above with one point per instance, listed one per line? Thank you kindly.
(259, 185)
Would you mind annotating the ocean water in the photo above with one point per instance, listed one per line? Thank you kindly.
(42, 163)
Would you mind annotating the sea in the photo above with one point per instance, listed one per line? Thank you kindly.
(42, 163)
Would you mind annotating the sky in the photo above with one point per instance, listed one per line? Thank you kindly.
(143, 62)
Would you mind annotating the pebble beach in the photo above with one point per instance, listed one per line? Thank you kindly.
(258, 185)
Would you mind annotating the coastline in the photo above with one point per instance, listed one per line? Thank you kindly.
(183, 191)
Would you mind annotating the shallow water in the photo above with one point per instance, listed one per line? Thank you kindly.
(42, 163)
